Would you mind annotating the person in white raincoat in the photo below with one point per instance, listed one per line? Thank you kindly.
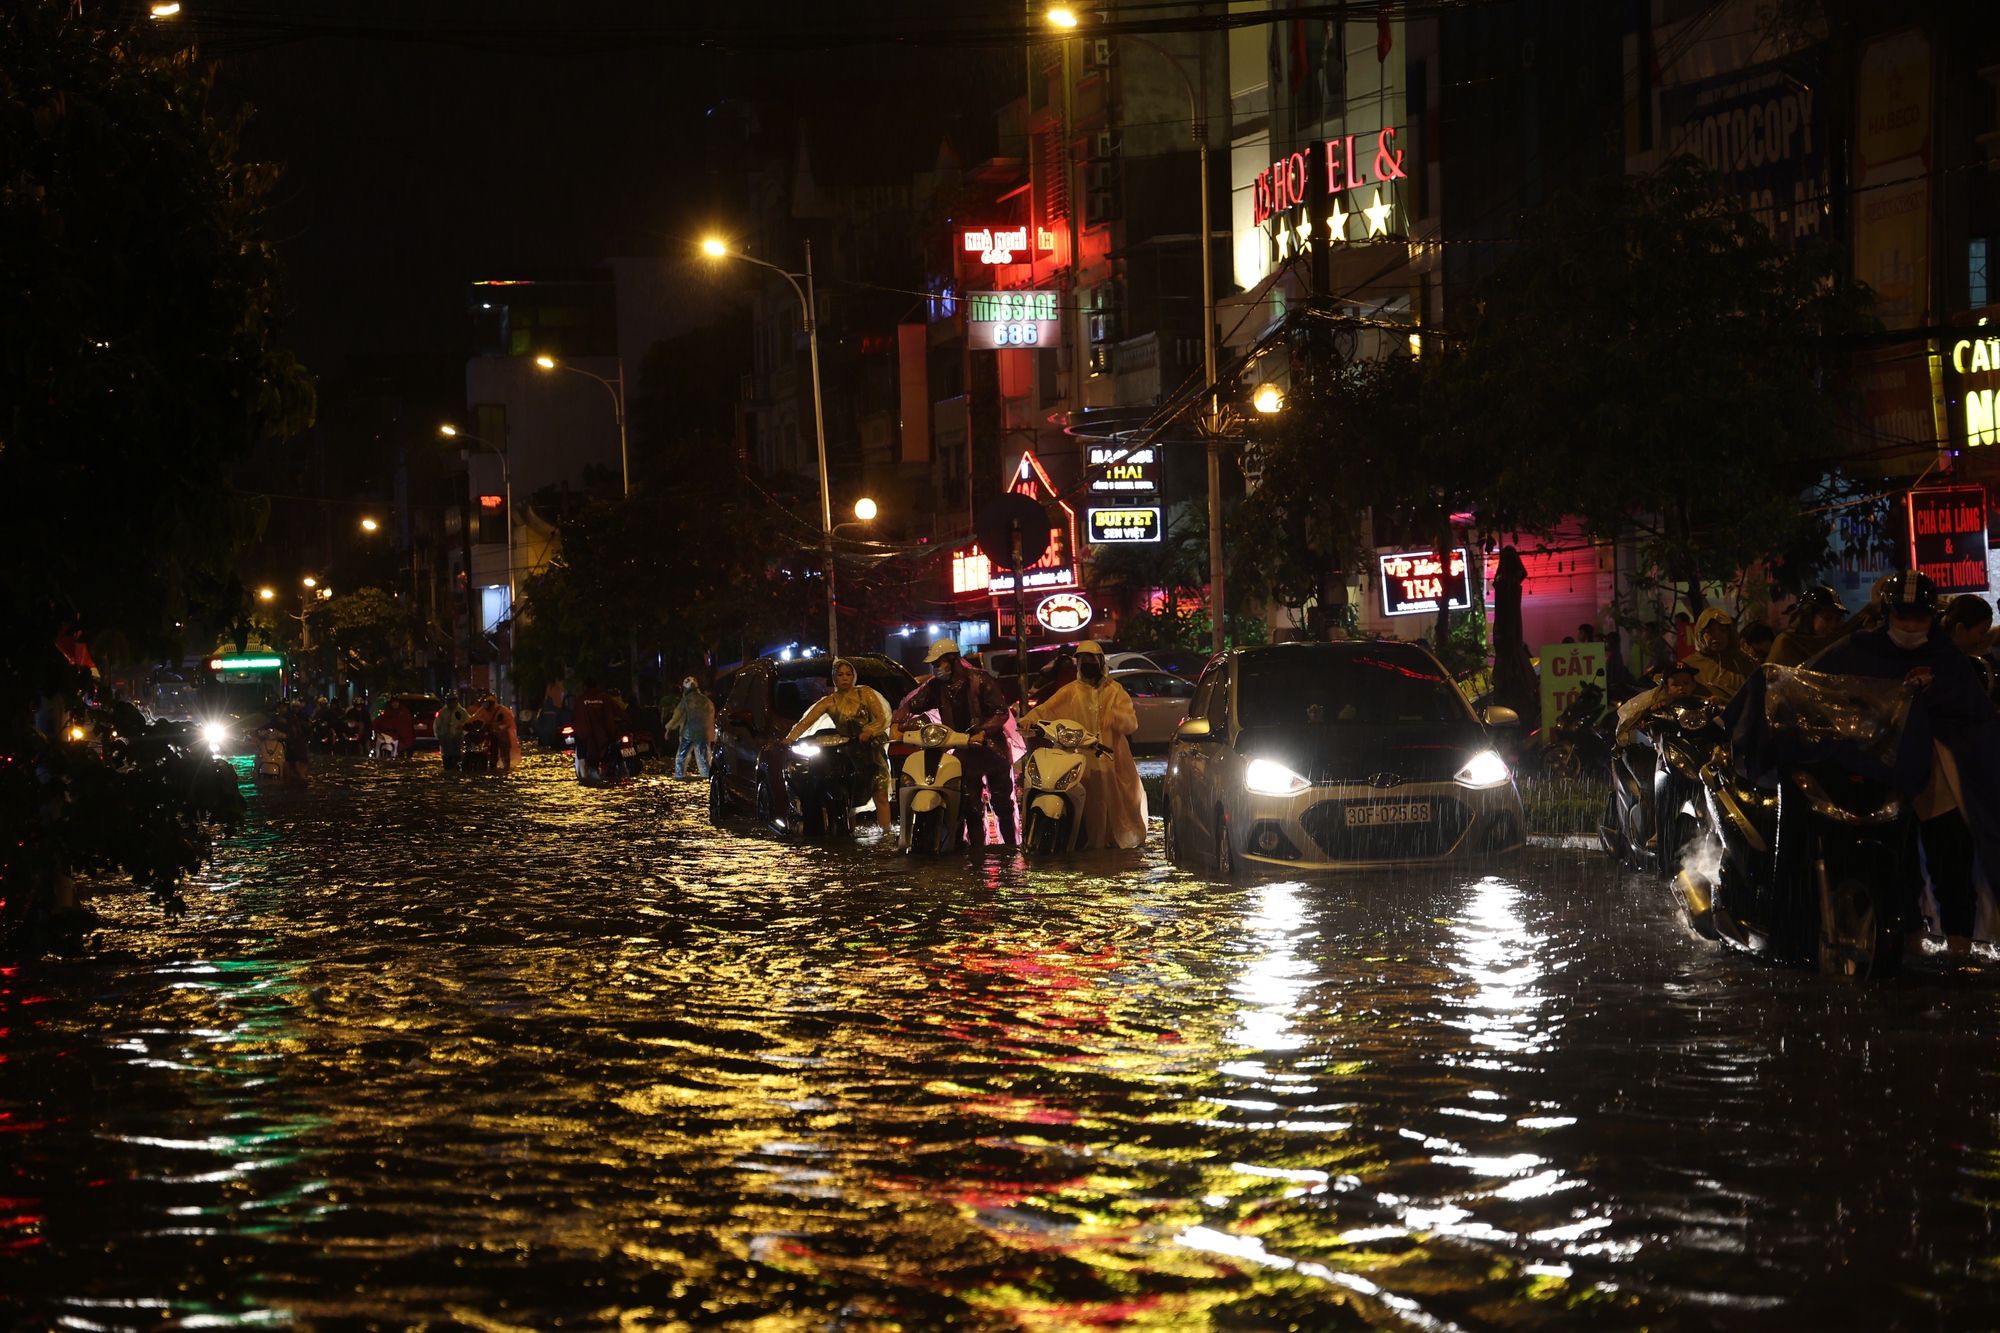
(1114, 809)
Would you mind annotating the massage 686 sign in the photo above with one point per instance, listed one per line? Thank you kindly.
(1022, 318)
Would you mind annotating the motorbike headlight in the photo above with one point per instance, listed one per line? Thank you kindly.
(215, 733)
(805, 750)
(1485, 769)
(936, 733)
(1271, 779)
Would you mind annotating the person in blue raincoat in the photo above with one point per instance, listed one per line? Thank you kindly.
(1949, 761)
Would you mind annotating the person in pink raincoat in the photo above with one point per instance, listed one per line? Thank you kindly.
(1114, 809)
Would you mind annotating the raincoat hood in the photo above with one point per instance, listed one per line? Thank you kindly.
(1713, 616)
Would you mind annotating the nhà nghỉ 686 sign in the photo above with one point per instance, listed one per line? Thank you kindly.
(1022, 318)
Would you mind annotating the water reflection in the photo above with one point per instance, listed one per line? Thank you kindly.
(498, 1054)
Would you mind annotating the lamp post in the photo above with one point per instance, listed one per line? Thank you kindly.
(1212, 425)
(614, 387)
(451, 432)
(718, 250)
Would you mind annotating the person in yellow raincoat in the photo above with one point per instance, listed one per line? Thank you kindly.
(1114, 803)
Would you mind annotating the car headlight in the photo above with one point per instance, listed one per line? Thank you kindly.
(1270, 779)
(1485, 769)
(215, 733)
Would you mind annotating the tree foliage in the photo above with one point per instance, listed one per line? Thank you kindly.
(1651, 354)
(138, 362)
(369, 626)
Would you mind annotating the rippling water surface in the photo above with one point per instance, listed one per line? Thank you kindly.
(459, 1052)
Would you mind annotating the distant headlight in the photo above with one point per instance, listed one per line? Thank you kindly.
(215, 733)
(804, 750)
(1269, 779)
(1485, 769)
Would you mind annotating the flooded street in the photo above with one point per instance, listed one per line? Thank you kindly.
(452, 1052)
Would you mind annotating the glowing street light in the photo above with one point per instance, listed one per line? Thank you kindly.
(1269, 398)
(310, 581)
(165, 11)
(369, 525)
(448, 431)
(864, 509)
(1063, 18)
(711, 246)
(266, 594)
(616, 388)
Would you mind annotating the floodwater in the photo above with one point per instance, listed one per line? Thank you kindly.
(466, 1053)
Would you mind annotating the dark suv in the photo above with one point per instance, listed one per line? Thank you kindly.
(760, 701)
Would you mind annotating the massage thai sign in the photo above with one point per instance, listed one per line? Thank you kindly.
(1414, 582)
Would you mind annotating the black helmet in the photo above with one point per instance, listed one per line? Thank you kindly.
(1909, 592)
(1815, 600)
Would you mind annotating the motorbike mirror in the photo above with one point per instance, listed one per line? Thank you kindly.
(1500, 717)
(1194, 726)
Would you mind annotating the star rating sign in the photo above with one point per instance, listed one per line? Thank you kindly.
(1336, 222)
(1378, 216)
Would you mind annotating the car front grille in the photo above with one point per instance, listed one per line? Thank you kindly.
(1326, 823)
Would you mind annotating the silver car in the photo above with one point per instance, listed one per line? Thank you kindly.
(1323, 756)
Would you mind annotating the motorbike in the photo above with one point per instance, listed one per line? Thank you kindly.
(475, 747)
(1654, 809)
(828, 778)
(350, 738)
(270, 765)
(1052, 786)
(1815, 869)
(1580, 741)
(928, 789)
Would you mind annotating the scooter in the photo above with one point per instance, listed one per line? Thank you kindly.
(1817, 872)
(1052, 786)
(270, 765)
(828, 778)
(928, 789)
(475, 747)
(1580, 741)
(1654, 809)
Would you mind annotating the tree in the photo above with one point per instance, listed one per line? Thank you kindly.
(1652, 355)
(138, 362)
(369, 627)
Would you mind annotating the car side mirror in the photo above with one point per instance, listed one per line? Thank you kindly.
(1500, 717)
(1194, 727)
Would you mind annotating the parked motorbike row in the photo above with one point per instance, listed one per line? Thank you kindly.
(1817, 870)
(830, 778)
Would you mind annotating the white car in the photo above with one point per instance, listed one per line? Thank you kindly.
(1130, 662)
(1321, 756)
(1159, 698)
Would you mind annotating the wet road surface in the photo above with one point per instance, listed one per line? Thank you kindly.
(457, 1052)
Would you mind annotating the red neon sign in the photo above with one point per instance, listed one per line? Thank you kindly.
(1284, 184)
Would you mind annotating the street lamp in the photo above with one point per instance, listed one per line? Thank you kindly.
(614, 387)
(369, 525)
(451, 432)
(1212, 428)
(266, 594)
(1268, 399)
(716, 248)
(165, 11)
(864, 509)
(310, 581)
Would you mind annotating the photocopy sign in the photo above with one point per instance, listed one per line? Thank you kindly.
(1948, 537)
(1028, 317)
(1763, 130)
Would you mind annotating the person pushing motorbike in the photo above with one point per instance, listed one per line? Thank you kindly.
(967, 700)
(1115, 800)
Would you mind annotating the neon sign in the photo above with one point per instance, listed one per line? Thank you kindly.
(1064, 613)
(1057, 567)
(1414, 582)
(1288, 182)
(245, 663)
(1116, 470)
(1004, 245)
(1124, 525)
(1975, 377)
(1023, 318)
(1948, 537)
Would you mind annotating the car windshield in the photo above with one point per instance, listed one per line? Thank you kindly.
(795, 690)
(1327, 686)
